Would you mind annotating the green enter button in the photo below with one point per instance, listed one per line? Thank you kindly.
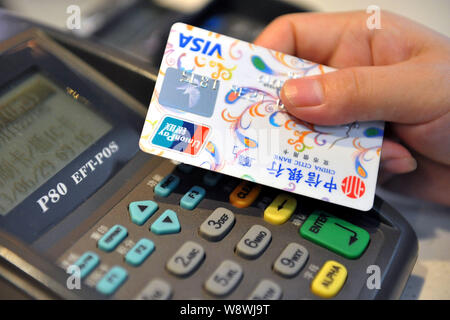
(335, 234)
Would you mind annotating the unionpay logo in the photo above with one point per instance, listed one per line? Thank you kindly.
(180, 135)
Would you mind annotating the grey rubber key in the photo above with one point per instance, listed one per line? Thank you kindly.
(291, 260)
(157, 289)
(226, 277)
(186, 259)
(217, 225)
(266, 290)
(254, 242)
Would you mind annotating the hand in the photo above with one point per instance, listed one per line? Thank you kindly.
(399, 74)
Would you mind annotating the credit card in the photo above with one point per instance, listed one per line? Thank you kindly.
(216, 105)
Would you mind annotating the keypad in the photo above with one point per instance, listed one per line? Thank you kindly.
(186, 259)
(224, 279)
(254, 242)
(217, 225)
(250, 244)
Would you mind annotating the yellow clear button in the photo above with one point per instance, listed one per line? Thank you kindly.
(281, 209)
(329, 280)
(244, 194)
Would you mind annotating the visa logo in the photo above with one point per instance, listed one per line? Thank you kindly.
(200, 45)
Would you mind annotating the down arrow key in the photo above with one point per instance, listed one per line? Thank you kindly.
(167, 223)
(281, 209)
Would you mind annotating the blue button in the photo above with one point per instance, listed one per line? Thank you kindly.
(167, 185)
(112, 280)
(211, 178)
(166, 223)
(112, 238)
(185, 168)
(139, 252)
(87, 262)
(140, 211)
(192, 198)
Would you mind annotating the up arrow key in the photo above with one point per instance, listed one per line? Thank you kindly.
(167, 220)
(141, 211)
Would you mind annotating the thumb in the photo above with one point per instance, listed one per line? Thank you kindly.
(399, 93)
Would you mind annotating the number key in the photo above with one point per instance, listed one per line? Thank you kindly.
(186, 259)
(254, 242)
(217, 225)
(224, 279)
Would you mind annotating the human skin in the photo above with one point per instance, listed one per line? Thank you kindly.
(399, 73)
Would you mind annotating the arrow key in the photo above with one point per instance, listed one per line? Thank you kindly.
(281, 209)
(167, 223)
(140, 211)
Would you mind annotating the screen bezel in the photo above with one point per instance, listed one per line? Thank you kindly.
(25, 220)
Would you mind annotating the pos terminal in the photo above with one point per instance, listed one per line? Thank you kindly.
(84, 214)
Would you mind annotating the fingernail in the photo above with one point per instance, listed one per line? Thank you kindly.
(400, 165)
(303, 92)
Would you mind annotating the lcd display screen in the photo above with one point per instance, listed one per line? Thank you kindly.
(42, 128)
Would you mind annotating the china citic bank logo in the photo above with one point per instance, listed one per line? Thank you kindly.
(353, 187)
